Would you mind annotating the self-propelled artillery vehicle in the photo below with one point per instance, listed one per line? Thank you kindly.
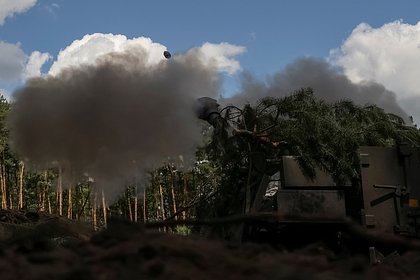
(383, 198)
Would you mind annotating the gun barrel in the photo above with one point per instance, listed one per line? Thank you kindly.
(207, 109)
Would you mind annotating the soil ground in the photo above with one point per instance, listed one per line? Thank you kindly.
(36, 246)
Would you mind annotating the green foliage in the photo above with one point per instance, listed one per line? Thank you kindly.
(4, 132)
(182, 230)
(327, 135)
(319, 134)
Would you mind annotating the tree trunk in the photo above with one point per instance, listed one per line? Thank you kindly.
(94, 206)
(70, 207)
(10, 200)
(184, 214)
(3, 188)
(77, 201)
(161, 201)
(104, 209)
(60, 192)
(173, 194)
(136, 202)
(144, 206)
(49, 202)
(43, 191)
(42, 199)
(5, 185)
(130, 211)
(157, 203)
(21, 170)
(10, 192)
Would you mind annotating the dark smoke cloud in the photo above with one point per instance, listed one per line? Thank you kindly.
(121, 117)
(327, 81)
(113, 120)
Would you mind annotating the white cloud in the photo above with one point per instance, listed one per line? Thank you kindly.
(221, 56)
(16, 65)
(92, 46)
(12, 62)
(389, 55)
(34, 64)
(11, 7)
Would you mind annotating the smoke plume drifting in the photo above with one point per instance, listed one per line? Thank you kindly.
(113, 120)
(327, 81)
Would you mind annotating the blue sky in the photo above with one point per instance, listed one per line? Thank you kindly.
(365, 50)
(274, 33)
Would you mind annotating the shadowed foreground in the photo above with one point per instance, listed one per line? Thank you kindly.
(42, 247)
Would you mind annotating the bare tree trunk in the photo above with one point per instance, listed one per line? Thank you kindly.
(130, 211)
(77, 201)
(70, 206)
(104, 208)
(184, 214)
(157, 203)
(94, 206)
(10, 200)
(43, 190)
(42, 198)
(10, 193)
(3, 187)
(144, 206)
(49, 202)
(21, 170)
(161, 201)
(136, 204)
(60, 192)
(173, 194)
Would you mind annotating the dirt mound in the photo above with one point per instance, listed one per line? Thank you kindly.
(128, 251)
(20, 225)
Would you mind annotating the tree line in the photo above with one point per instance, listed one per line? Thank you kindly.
(320, 134)
(170, 194)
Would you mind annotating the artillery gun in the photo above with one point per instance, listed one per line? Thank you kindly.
(383, 198)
